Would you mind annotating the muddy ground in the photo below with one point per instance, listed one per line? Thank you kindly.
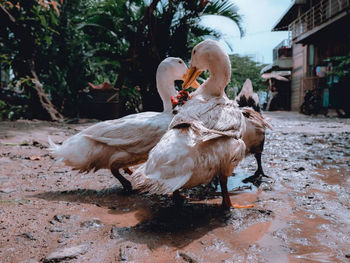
(301, 214)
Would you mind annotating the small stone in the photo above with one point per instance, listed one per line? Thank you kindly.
(67, 235)
(28, 235)
(7, 190)
(118, 232)
(122, 254)
(187, 257)
(60, 218)
(95, 222)
(266, 187)
(55, 229)
(299, 169)
(66, 253)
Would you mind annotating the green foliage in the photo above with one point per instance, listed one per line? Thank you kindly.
(64, 66)
(243, 67)
(11, 112)
(50, 38)
(340, 66)
(132, 38)
(72, 42)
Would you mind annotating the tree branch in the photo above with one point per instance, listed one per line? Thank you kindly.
(44, 100)
(4, 11)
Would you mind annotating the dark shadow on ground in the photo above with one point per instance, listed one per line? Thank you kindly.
(166, 223)
(178, 227)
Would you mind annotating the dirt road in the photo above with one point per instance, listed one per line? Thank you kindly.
(301, 214)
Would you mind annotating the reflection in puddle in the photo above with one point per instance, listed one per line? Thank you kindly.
(240, 181)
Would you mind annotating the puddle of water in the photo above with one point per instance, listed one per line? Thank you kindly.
(242, 182)
(238, 182)
(334, 176)
(316, 257)
(119, 218)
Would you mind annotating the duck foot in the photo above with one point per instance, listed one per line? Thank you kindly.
(226, 205)
(260, 173)
(242, 206)
(178, 198)
(125, 183)
(226, 200)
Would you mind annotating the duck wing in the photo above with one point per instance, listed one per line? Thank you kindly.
(256, 119)
(188, 153)
(131, 133)
(210, 119)
(121, 140)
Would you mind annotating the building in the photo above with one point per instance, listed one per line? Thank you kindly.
(277, 76)
(318, 30)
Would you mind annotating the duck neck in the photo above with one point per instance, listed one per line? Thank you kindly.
(166, 89)
(218, 80)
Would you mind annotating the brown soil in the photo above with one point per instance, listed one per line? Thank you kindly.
(301, 213)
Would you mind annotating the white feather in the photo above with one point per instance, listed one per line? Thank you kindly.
(204, 138)
(126, 141)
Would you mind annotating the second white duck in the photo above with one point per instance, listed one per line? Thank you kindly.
(123, 142)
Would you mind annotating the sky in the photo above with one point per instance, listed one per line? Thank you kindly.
(259, 17)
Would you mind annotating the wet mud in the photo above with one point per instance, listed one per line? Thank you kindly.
(301, 212)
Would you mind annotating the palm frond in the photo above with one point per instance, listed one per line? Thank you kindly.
(227, 9)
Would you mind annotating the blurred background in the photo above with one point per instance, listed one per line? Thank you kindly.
(97, 59)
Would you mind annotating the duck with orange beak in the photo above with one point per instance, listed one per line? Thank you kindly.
(204, 139)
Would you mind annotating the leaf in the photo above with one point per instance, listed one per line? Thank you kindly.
(43, 20)
(53, 18)
(226, 9)
(48, 40)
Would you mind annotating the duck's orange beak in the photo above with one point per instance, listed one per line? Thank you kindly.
(190, 78)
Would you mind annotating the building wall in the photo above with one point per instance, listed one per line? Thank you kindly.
(336, 44)
(298, 73)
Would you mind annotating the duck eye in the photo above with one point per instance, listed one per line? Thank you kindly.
(194, 52)
(180, 62)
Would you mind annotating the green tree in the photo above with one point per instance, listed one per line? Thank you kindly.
(43, 44)
(26, 28)
(243, 67)
(56, 47)
(133, 37)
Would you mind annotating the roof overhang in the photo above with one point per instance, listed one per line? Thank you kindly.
(289, 16)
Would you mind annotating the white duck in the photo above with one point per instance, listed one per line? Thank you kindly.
(123, 142)
(204, 139)
(254, 136)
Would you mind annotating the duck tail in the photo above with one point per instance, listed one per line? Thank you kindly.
(256, 118)
(162, 173)
(54, 149)
(247, 97)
